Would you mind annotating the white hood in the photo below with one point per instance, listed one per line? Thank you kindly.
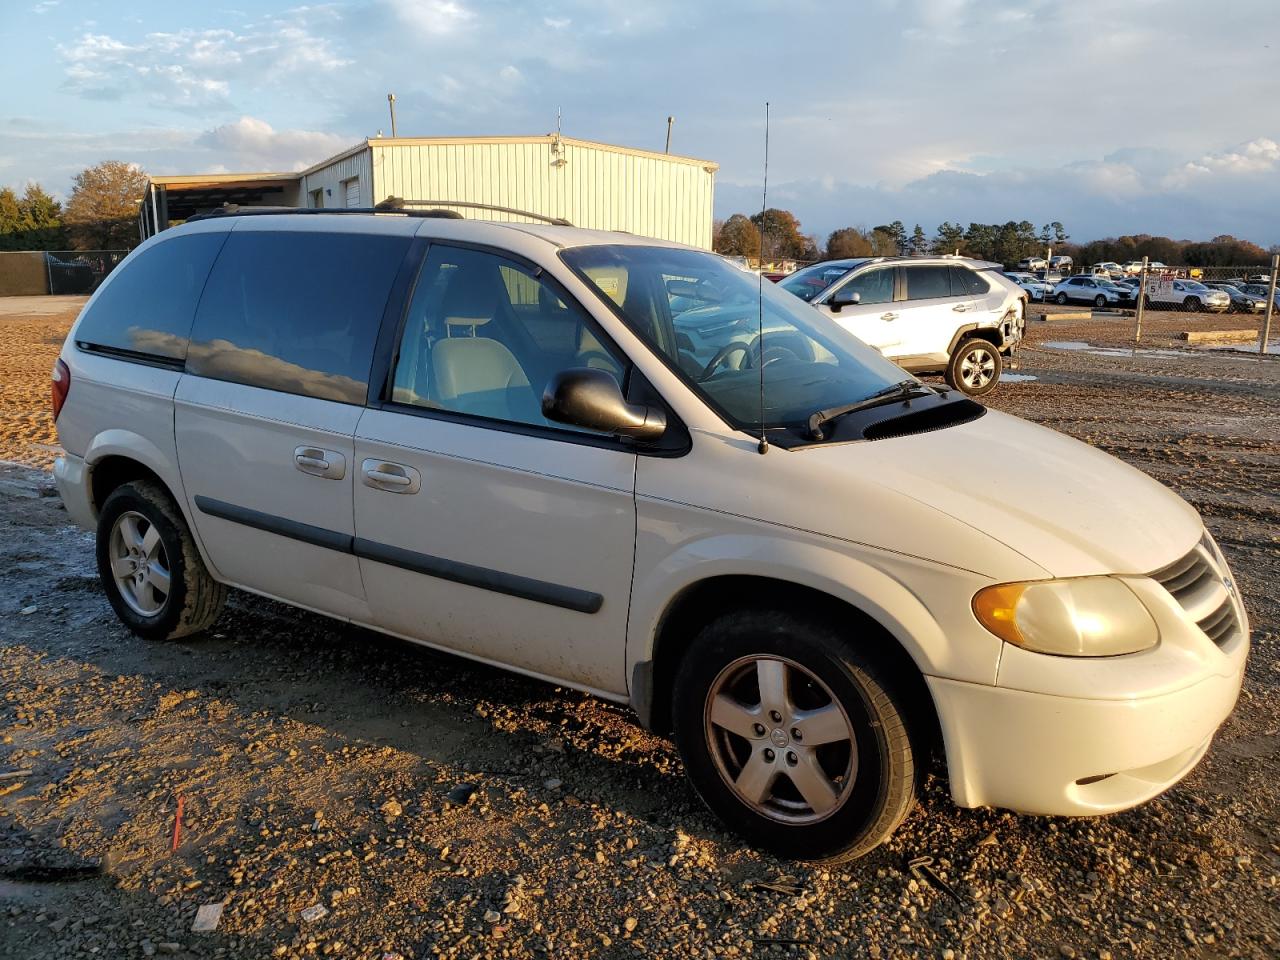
(1062, 504)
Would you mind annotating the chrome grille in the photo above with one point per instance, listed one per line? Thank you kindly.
(1198, 583)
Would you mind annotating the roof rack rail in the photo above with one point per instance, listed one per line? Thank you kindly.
(391, 205)
(554, 221)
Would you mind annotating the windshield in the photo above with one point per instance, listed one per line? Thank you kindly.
(702, 317)
(811, 281)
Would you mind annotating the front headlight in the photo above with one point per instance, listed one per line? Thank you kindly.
(1084, 617)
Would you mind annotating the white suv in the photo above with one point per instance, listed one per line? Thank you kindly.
(486, 438)
(1082, 289)
(944, 315)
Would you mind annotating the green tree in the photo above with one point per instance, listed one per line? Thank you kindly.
(41, 220)
(103, 208)
(949, 238)
(738, 237)
(897, 234)
(10, 220)
(919, 242)
(980, 241)
(848, 242)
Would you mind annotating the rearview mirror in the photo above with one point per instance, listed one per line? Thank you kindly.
(843, 297)
(589, 398)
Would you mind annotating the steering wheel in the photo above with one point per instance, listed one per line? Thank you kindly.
(723, 354)
(773, 355)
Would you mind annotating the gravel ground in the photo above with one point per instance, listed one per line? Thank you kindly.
(344, 794)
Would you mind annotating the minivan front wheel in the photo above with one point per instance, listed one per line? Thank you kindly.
(975, 367)
(793, 737)
(150, 569)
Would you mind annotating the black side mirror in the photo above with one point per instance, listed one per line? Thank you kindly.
(584, 397)
(844, 297)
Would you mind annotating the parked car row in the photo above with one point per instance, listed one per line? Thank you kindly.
(504, 441)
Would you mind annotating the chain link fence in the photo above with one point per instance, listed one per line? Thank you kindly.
(60, 272)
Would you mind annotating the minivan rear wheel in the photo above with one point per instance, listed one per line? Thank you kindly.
(150, 569)
(793, 737)
(974, 367)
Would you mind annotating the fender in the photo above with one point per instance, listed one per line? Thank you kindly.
(865, 581)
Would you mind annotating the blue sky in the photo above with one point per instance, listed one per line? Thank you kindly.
(1158, 116)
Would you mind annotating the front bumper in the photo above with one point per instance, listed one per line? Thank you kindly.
(71, 474)
(1066, 756)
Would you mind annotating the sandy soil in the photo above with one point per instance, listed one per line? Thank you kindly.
(318, 764)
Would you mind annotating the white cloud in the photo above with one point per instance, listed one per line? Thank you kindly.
(255, 144)
(432, 18)
(197, 68)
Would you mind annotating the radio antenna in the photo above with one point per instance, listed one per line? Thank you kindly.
(763, 445)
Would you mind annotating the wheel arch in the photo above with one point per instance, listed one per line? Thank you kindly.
(974, 331)
(116, 457)
(701, 601)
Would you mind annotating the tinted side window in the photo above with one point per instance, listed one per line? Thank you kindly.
(873, 286)
(148, 305)
(296, 312)
(483, 336)
(966, 282)
(928, 283)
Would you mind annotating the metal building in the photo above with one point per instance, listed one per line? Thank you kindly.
(594, 185)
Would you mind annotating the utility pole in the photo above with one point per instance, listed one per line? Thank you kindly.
(1271, 306)
(391, 102)
(1142, 299)
(670, 121)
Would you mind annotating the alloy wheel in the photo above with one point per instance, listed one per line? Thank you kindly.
(780, 739)
(977, 368)
(139, 563)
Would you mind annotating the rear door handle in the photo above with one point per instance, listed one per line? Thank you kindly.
(390, 477)
(960, 307)
(888, 316)
(327, 464)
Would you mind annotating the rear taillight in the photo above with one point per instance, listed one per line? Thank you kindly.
(61, 384)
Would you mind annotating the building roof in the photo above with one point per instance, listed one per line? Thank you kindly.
(709, 165)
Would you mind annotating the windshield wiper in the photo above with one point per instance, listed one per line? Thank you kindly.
(902, 390)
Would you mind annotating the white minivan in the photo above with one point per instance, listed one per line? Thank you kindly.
(812, 569)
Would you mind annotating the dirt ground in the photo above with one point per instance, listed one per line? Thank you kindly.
(433, 807)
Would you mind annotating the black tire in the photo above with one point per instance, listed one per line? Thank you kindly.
(1100, 301)
(889, 768)
(967, 354)
(1060, 298)
(1192, 305)
(194, 599)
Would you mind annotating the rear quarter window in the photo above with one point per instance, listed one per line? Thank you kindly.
(147, 306)
(967, 283)
(295, 312)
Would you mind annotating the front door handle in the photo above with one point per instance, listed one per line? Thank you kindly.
(327, 464)
(960, 307)
(888, 316)
(390, 477)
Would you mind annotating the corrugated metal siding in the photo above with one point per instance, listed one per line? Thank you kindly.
(330, 179)
(599, 189)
